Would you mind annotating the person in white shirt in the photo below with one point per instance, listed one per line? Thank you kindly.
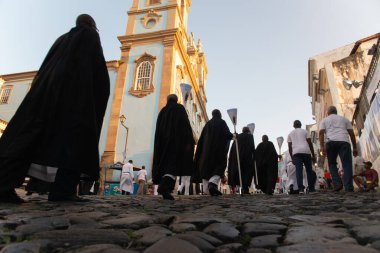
(358, 166)
(302, 154)
(141, 178)
(337, 132)
(126, 180)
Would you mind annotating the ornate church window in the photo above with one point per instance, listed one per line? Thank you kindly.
(5, 93)
(143, 80)
(144, 74)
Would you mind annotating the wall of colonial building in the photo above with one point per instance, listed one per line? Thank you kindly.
(21, 82)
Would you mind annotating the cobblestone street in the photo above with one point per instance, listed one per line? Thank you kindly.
(322, 222)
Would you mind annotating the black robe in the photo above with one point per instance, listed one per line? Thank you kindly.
(59, 122)
(246, 155)
(267, 166)
(173, 143)
(212, 149)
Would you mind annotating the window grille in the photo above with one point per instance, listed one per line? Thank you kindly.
(5, 94)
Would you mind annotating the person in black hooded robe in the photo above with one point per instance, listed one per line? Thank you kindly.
(267, 165)
(246, 147)
(173, 147)
(211, 155)
(58, 124)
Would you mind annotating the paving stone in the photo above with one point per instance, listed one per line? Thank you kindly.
(182, 227)
(367, 234)
(265, 241)
(152, 234)
(318, 233)
(201, 244)
(376, 245)
(200, 222)
(84, 236)
(55, 222)
(258, 250)
(23, 247)
(229, 248)
(132, 221)
(172, 245)
(315, 247)
(101, 248)
(30, 229)
(214, 241)
(223, 231)
(255, 229)
(315, 219)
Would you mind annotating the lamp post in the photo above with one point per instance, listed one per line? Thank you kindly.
(122, 121)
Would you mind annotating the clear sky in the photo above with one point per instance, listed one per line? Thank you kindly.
(256, 50)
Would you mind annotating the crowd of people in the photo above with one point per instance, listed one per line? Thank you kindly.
(249, 166)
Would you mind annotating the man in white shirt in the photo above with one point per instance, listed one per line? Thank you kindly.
(337, 132)
(302, 153)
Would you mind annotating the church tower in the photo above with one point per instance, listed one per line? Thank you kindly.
(157, 55)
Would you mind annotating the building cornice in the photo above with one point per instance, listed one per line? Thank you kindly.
(31, 74)
(18, 76)
(359, 42)
(158, 8)
(135, 38)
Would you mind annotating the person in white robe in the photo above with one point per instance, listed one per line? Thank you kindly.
(126, 180)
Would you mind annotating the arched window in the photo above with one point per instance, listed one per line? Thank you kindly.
(144, 74)
(143, 77)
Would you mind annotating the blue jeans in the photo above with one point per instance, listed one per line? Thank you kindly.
(343, 149)
(299, 161)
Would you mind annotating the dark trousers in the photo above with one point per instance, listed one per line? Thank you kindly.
(299, 161)
(66, 182)
(343, 149)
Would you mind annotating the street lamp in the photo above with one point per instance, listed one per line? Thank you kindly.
(122, 119)
(348, 84)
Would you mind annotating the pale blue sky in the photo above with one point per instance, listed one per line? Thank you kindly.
(256, 50)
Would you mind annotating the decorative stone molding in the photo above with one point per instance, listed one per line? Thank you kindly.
(150, 19)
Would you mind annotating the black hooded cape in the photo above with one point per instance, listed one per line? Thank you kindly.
(212, 149)
(267, 166)
(173, 143)
(246, 155)
(59, 121)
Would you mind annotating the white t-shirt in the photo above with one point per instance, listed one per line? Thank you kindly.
(336, 128)
(298, 139)
(141, 175)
